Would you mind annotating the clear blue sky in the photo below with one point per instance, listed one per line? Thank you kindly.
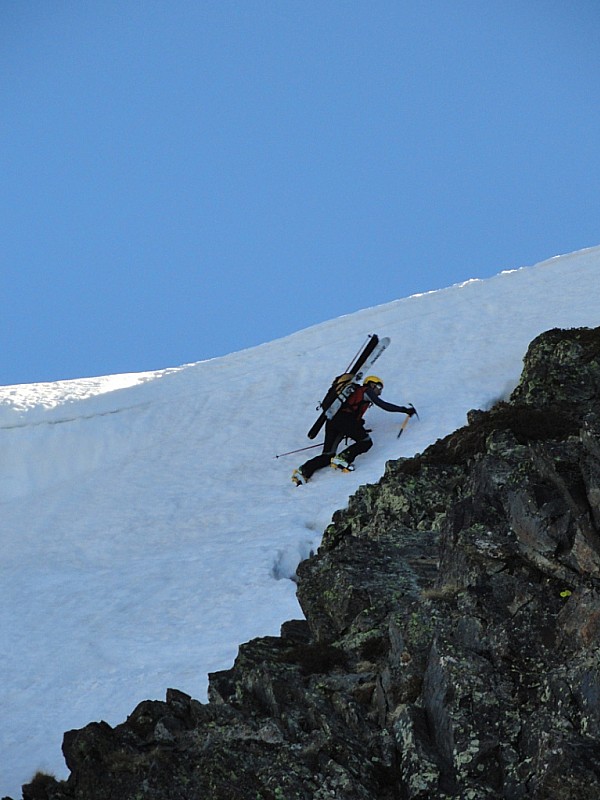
(184, 179)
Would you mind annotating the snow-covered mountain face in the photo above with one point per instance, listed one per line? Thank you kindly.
(147, 527)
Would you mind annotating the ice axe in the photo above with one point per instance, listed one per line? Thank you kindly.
(405, 423)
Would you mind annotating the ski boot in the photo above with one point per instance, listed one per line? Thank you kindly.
(339, 462)
(298, 477)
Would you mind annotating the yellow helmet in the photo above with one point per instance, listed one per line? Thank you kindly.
(372, 379)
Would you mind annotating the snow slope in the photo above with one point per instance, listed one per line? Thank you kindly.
(147, 529)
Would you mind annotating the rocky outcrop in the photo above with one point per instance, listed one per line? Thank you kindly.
(451, 642)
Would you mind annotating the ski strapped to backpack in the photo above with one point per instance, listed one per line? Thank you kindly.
(343, 385)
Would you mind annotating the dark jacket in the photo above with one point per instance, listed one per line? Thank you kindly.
(363, 397)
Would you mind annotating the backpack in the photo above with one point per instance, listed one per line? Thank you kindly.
(356, 403)
(341, 387)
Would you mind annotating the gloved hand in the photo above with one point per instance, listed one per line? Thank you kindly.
(410, 411)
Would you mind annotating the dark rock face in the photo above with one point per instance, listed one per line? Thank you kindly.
(452, 641)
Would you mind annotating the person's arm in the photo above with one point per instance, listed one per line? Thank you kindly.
(387, 406)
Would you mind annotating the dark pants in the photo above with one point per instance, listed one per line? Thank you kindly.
(341, 426)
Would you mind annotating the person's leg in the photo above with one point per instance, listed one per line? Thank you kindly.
(332, 440)
(354, 429)
(350, 453)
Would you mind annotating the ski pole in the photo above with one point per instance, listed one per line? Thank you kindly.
(405, 423)
(299, 450)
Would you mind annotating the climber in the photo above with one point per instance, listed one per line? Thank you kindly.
(348, 423)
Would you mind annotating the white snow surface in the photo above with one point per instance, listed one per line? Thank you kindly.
(147, 528)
